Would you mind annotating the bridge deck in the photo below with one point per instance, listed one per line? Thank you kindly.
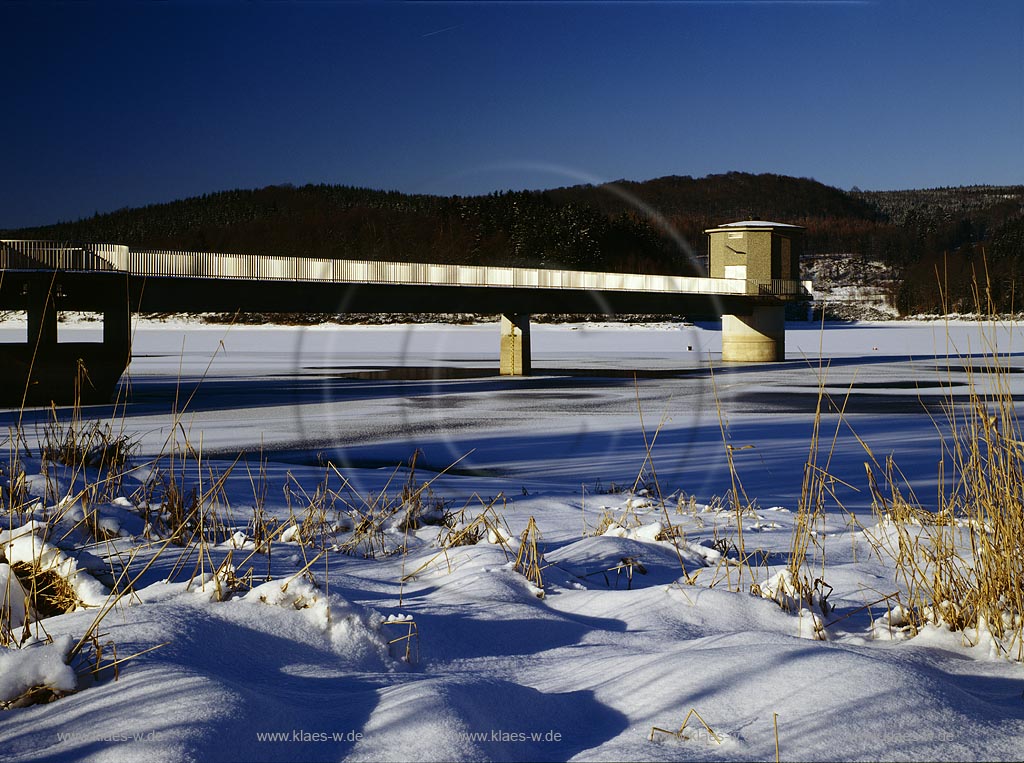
(38, 255)
(44, 278)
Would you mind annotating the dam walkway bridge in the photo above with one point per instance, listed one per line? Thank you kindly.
(42, 278)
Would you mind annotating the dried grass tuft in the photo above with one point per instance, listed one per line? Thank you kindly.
(529, 559)
(963, 565)
(681, 732)
(405, 646)
(48, 592)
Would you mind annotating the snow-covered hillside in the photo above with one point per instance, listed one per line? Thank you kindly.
(850, 286)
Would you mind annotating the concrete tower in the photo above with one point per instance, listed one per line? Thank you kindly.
(767, 256)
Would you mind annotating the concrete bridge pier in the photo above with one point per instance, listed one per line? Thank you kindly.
(41, 369)
(759, 337)
(515, 344)
(42, 322)
(117, 333)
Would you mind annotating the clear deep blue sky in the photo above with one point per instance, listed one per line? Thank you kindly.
(111, 105)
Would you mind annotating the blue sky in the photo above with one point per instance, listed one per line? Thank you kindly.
(110, 105)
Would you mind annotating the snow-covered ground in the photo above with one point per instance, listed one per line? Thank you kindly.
(288, 656)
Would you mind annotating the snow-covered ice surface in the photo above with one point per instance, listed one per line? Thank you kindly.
(631, 632)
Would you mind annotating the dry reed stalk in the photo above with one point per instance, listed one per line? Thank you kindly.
(627, 565)
(667, 531)
(529, 559)
(273, 533)
(118, 592)
(372, 514)
(368, 516)
(260, 485)
(886, 598)
(680, 734)
(488, 523)
(407, 576)
(739, 502)
(410, 639)
(626, 519)
(116, 662)
(36, 695)
(818, 484)
(963, 565)
(775, 723)
(305, 572)
(79, 446)
(315, 529)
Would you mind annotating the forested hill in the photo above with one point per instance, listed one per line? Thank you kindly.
(591, 227)
(718, 198)
(515, 228)
(625, 226)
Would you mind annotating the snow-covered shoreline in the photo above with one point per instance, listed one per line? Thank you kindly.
(299, 667)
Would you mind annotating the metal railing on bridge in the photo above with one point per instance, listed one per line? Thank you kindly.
(55, 255)
(269, 267)
(780, 288)
(48, 255)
